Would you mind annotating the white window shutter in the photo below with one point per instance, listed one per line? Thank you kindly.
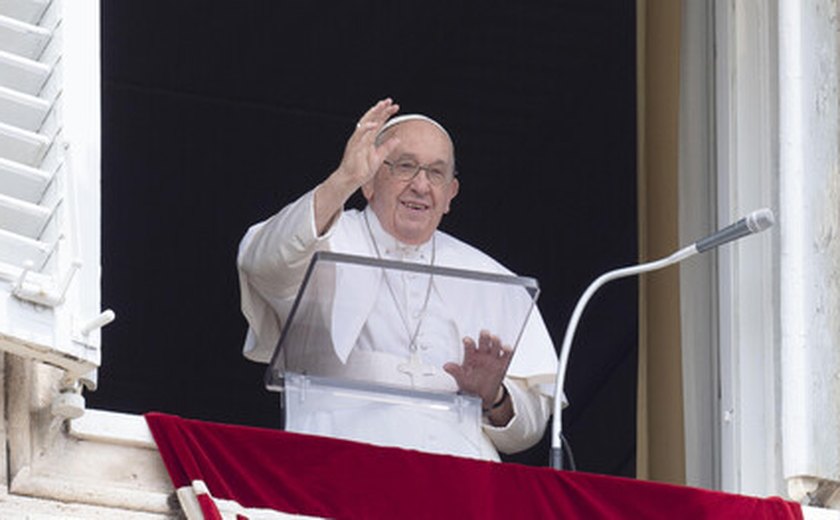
(49, 184)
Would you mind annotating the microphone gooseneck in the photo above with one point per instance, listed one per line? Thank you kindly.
(755, 222)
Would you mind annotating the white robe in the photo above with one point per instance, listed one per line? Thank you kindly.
(273, 259)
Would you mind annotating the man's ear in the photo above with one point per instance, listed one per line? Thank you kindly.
(453, 188)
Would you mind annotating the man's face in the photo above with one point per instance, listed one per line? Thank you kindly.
(411, 210)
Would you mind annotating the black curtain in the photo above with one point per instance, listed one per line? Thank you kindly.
(216, 114)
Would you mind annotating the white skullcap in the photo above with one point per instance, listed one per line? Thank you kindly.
(411, 117)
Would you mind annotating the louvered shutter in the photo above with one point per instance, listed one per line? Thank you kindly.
(49, 182)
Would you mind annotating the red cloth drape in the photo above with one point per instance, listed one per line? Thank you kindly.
(293, 473)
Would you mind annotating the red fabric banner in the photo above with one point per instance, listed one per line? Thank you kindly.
(253, 471)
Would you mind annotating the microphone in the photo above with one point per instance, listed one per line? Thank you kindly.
(755, 222)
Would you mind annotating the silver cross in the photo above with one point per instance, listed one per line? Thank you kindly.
(415, 368)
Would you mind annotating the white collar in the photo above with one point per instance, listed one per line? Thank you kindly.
(392, 248)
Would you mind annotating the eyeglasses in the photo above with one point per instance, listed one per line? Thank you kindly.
(406, 169)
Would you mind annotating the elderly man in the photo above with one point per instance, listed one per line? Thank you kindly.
(405, 167)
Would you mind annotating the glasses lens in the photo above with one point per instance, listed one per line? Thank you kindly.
(436, 176)
(405, 169)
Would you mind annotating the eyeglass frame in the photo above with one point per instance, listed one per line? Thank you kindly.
(418, 167)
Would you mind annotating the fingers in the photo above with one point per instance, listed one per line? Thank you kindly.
(488, 354)
(376, 116)
(487, 342)
(455, 370)
(483, 367)
(382, 151)
(490, 344)
(469, 344)
(361, 157)
(367, 129)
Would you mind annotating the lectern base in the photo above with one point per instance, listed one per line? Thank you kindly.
(425, 421)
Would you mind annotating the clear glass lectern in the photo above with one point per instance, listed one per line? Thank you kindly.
(362, 352)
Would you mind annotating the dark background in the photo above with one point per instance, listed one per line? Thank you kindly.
(217, 113)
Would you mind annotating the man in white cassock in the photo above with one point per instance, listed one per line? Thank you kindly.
(405, 167)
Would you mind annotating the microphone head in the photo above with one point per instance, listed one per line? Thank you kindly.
(759, 220)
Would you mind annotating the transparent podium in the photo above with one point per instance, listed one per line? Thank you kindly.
(362, 352)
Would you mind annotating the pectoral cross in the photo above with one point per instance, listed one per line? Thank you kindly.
(415, 367)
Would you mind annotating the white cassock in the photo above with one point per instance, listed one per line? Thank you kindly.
(373, 337)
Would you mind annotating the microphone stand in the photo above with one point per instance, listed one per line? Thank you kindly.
(556, 428)
(755, 222)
